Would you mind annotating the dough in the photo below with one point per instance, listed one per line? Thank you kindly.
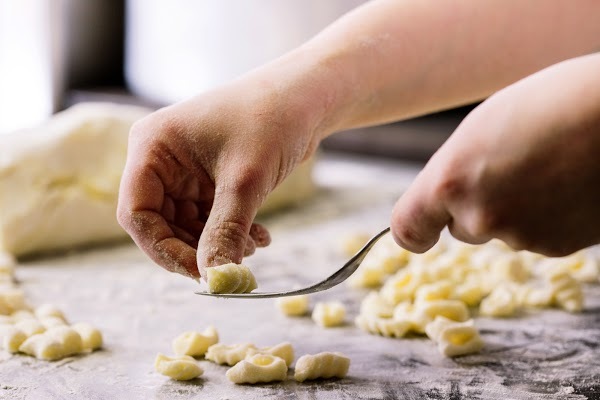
(181, 368)
(258, 368)
(195, 344)
(59, 182)
(230, 278)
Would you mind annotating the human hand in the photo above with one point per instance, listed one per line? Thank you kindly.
(197, 172)
(523, 167)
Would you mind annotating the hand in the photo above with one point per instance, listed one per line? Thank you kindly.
(523, 167)
(197, 172)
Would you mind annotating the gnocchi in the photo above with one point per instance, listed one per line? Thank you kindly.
(228, 354)
(388, 327)
(500, 303)
(284, 350)
(11, 338)
(567, 292)
(180, 368)
(53, 344)
(329, 314)
(230, 278)
(11, 300)
(195, 344)
(91, 338)
(454, 338)
(322, 365)
(258, 368)
(293, 306)
(49, 310)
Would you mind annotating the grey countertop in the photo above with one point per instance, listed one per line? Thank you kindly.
(141, 308)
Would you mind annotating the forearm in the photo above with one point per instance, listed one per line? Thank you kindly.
(392, 59)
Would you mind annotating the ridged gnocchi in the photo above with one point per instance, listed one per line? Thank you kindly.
(329, 314)
(258, 368)
(454, 338)
(195, 344)
(230, 278)
(228, 354)
(180, 368)
(284, 350)
(322, 365)
(293, 306)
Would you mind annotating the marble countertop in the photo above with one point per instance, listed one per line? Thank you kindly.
(140, 308)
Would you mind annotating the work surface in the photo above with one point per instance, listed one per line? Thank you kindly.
(140, 308)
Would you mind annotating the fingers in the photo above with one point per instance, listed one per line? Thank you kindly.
(260, 235)
(226, 235)
(139, 213)
(419, 216)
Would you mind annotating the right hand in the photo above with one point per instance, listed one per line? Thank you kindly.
(197, 172)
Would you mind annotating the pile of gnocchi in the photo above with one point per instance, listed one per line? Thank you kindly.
(437, 292)
(248, 363)
(43, 331)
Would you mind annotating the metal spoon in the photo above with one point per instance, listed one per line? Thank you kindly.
(338, 277)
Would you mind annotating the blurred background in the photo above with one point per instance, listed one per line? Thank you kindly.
(54, 54)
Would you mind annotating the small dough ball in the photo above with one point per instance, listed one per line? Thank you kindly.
(11, 338)
(43, 347)
(228, 354)
(51, 322)
(351, 244)
(68, 337)
(11, 300)
(22, 315)
(329, 314)
(230, 278)
(284, 350)
(258, 368)
(293, 306)
(180, 368)
(91, 337)
(49, 310)
(30, 327)
(195, 344)
(323, 365)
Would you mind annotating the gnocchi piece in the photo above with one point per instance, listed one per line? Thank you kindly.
(567, 292)
(21, 315)
(531, 296)
(329, 314)
(284, 350)
(426, 311)
(228, 354)
(51, 322)
(11, 338)
(293, 306)
(387, 256)
(6, 320)
(49, 310)
(180, 368)
(454, 338)
(402, 286)
(501, 302)
(91, 337)
(11, 300)
(258, 368)
(351, 244)
(367, 277)
(375, 305)
(582, 266)
(54, 344)
(68, 338)
(388, 327)
(30, 327)
(230, 278)
(440, 290)
(195, 344)
(322, 365)
(469, 292)
(509, 267)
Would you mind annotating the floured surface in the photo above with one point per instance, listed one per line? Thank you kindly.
(141, 308)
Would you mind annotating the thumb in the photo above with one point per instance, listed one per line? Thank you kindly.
(226, 232)
(419, 216)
